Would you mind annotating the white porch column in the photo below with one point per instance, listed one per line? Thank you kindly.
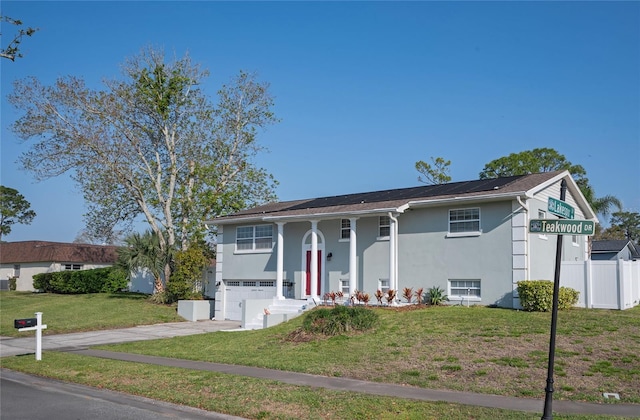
(353, 266)
(280, 262)
(393, 281)
(314, 260)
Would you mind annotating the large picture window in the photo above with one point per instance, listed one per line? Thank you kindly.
(254, 238)
(464, 220)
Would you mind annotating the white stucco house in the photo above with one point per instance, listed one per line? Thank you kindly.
(470, 238)
(25, 259)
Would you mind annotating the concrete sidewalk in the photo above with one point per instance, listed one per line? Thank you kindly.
(10, 346)
(79, 343)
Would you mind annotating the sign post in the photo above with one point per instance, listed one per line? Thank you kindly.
(29, 326)
(559, 227)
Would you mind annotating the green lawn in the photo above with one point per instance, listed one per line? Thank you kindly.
(73, 313)
(477, 349)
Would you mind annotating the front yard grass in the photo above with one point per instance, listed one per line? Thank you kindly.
(477, 349)
(249, 397)
(74, 313)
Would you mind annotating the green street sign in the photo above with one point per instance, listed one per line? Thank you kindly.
(561, 227)
(560, 208)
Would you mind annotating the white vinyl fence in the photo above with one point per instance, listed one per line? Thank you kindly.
(603, 284)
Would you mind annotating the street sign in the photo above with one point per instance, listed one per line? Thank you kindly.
(561, 227)
(560, 208)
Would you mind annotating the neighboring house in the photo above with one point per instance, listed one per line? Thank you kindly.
(25, 259)
(470, 238)
(615, 250)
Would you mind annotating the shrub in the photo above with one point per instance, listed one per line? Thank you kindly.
(13, 283)
(537, 296)
(186, 279)
(436, 296)
(108, 279)
(339, 319)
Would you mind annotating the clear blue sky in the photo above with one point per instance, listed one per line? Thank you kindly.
(364, 90)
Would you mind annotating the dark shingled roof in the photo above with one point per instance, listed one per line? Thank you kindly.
(387, 199)
(42, 251)
(616, 245)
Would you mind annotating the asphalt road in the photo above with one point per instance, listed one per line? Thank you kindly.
(25, 397)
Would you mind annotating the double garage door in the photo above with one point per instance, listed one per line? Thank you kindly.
(238, 290)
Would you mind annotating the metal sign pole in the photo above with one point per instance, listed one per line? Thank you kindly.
(548, 400)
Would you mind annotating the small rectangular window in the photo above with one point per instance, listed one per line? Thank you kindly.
(72, 266)
(464, 220)
(384, 226)
(542, 215)
(344, 287)
(383, 285)
(345, 229)
(467, 289)
(16, 270)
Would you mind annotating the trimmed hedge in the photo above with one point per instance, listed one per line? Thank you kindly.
(97, 280)
(537, 296)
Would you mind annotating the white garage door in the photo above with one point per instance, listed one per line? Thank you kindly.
(238, 290)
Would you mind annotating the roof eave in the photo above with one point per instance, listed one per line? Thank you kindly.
(308, 216)
(466, 199)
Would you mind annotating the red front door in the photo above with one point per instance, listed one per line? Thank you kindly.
(309, 272)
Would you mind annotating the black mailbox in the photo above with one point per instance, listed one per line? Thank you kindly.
(26, 322)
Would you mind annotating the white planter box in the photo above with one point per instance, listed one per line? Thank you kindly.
(195, 310)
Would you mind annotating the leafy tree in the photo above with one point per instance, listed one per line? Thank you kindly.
(12, 51)
(151, 144)
(435, 173)
(143, 252)
(14, 208)
(533, 161)
(625, 225)
(186, 280)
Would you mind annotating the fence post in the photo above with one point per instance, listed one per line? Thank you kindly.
(620, 279)
(588, 284)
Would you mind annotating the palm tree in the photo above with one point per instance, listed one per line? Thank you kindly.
(601, 206)
(143, 251)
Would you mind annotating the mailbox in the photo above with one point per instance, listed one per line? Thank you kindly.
(26, 322)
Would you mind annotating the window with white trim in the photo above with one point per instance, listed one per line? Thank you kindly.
(384, 226)
(344, 286)
(254, 238)
(574, 240)
(345, 229)
(16, 270)
(464, 220)
(542, 215)
(464, 289)
(72, 266)
(383, 285)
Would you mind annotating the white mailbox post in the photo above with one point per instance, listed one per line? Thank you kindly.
(28, 326)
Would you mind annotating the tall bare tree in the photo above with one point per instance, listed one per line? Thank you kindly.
(151, 144)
